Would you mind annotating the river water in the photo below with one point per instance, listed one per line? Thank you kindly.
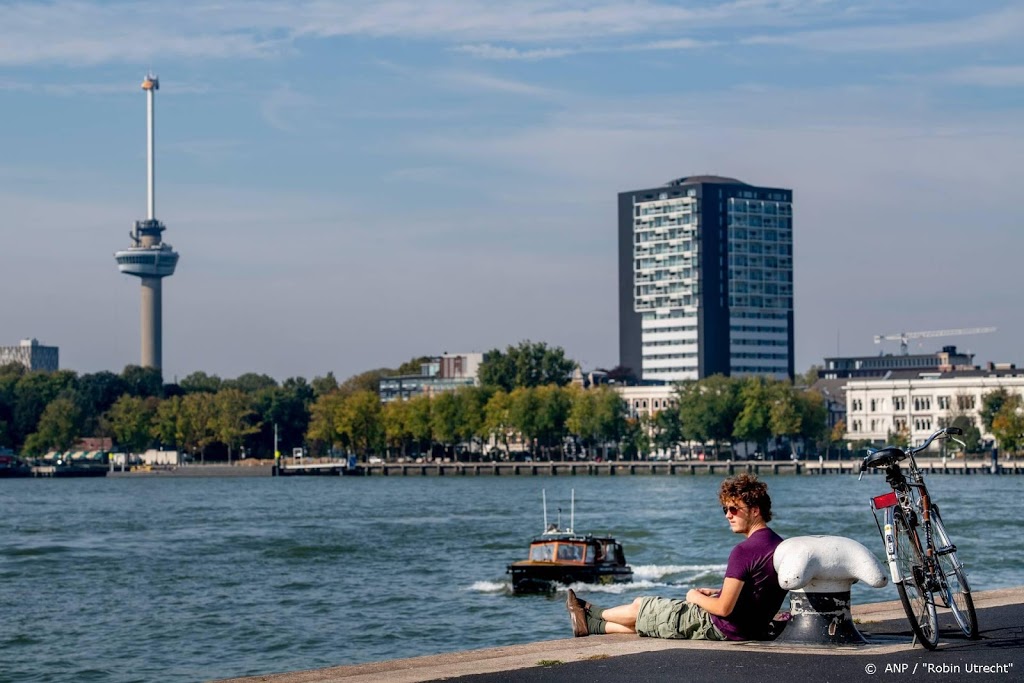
(168, 579)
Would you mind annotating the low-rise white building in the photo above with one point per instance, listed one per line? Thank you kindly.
(921, 403)
(647, 399)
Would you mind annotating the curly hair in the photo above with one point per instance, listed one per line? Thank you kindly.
(748, 489)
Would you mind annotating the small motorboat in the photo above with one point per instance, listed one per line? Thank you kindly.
(562, 556)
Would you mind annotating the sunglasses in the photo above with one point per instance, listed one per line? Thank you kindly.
(732, 510)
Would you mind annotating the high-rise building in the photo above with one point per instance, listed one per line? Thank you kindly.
(706, 280)
(149, 259)
(31, 354)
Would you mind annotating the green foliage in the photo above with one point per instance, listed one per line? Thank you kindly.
(232, 417)
(130, 422)
(59, 427)
(413, 366)
(971, 435)
(324, 385)
(364, 381)
(143, 382)
(991, 404)
(359, 422)
(708, 408)
(754, 420)
(1008, 424)
(527, 365)
(201, 382)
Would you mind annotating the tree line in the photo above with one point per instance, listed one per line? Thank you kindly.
(525, 403)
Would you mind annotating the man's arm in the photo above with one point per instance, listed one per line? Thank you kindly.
(720, 605)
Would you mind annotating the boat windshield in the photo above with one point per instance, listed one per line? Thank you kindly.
(542, 552)
(558, 551)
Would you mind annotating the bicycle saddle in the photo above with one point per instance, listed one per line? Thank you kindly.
(884, 457)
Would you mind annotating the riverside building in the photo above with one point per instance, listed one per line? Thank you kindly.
(706, 280)
(921, 402)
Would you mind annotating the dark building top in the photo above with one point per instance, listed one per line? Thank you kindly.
(716, 179)
(865, 367)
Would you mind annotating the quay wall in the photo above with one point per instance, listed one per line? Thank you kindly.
(723, 468)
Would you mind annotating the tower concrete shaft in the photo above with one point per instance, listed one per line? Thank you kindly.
(152, 322)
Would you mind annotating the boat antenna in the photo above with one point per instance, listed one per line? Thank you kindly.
(572, 511)
(544, 497)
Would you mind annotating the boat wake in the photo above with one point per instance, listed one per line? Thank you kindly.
(679, 573)
(644, 577)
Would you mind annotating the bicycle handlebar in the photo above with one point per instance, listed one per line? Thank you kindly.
(945, 432)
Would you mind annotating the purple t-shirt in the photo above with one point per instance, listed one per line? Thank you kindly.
(751, 562)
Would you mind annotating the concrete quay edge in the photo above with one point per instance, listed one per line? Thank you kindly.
(514, 657)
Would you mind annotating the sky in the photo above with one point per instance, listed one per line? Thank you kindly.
(354, 184)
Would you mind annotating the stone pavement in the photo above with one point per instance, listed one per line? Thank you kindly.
(998, 655)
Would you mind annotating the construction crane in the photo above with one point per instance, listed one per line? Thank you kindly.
(902, 337)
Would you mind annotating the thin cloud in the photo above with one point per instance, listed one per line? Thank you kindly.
(495, 52)
(480, 81)
(984, 29)
(86, 33)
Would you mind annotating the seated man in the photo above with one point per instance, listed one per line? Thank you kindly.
(741, 610)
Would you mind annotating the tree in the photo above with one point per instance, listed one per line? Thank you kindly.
(196, 426)
(420, 423)
(232, 413)
(810, 377)
(96, 393)
(360, 420)
(971, 434)
(991, 404)
(754, 420)
(130, 422)
(1008, 424)
(708, 409)
(836, 436)
(667, 429)
(285, 408)
(444, 419)
(323, 421)
(471, 403)
(900, 438)
(395, 419)
(413, 366)
(813, 416)
(59, 426)
(143, 382)
(33, 392)
(324, 385)
(527, 365)
(364, 381)
(201, 382)
(251, 382)
(553, 404)
(498, 417)
(784, 417)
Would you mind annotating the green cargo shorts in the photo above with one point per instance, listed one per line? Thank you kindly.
(665, 618)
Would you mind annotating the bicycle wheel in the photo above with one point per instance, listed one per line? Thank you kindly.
(954, 579)
(913, 588)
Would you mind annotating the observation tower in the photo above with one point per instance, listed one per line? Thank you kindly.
(148, 258)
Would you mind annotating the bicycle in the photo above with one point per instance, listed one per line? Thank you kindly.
(922, 560)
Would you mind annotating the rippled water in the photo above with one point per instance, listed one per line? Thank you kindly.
(154, 579)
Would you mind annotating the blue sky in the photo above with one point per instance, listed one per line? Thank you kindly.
(353, 184)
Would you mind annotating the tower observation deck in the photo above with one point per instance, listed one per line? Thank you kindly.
(149, 258)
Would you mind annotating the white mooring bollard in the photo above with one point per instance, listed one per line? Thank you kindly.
(819, 571)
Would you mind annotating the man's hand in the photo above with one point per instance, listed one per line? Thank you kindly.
(694, 595)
